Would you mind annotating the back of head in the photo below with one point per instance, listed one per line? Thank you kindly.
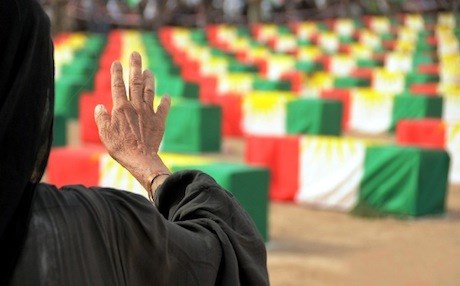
(26, 115)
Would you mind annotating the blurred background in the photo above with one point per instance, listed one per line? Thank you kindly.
(101, 15)
(335, 123)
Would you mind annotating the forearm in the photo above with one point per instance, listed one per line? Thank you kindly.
(149, 171)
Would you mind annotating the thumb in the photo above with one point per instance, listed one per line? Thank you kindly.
(102, 117)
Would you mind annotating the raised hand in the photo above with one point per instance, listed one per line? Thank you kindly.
(133, 132)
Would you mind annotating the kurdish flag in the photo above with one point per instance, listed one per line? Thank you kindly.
(341, 173)
(92, 166)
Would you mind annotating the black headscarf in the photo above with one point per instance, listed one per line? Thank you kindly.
(26, 115)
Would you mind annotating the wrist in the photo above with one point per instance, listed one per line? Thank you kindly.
(145, 168)
(156, 182)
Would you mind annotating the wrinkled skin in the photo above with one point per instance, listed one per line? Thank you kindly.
(133, 132)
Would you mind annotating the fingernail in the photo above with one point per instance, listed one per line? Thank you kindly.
(135, 56)
(116, 65)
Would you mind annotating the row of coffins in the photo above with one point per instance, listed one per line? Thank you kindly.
(407, 178)
(374, 109)
(283, 114)
(92, 166)
(378, 85)
(360, 89)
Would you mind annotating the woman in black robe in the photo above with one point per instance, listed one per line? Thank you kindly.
(194, 232)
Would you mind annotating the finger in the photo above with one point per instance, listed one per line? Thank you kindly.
(136, 80)
(118, 85)
(163, 108)
(149, 88)
(102, 118)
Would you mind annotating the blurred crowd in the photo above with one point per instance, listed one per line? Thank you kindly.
(101, 15)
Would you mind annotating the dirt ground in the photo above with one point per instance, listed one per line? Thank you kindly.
(317, 247)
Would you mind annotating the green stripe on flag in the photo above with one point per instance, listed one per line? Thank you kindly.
(407, 107)
(404, 181)
(192, 128)
(133, 3)
(324, 117)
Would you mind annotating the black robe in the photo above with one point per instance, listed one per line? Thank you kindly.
(197, 234)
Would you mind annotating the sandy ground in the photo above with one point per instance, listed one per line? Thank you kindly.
(316, 247)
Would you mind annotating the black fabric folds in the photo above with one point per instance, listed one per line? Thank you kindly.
(197, 235)
(26, 113)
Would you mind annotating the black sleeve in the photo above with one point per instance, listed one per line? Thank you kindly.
(197, 235)
(192, 199)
